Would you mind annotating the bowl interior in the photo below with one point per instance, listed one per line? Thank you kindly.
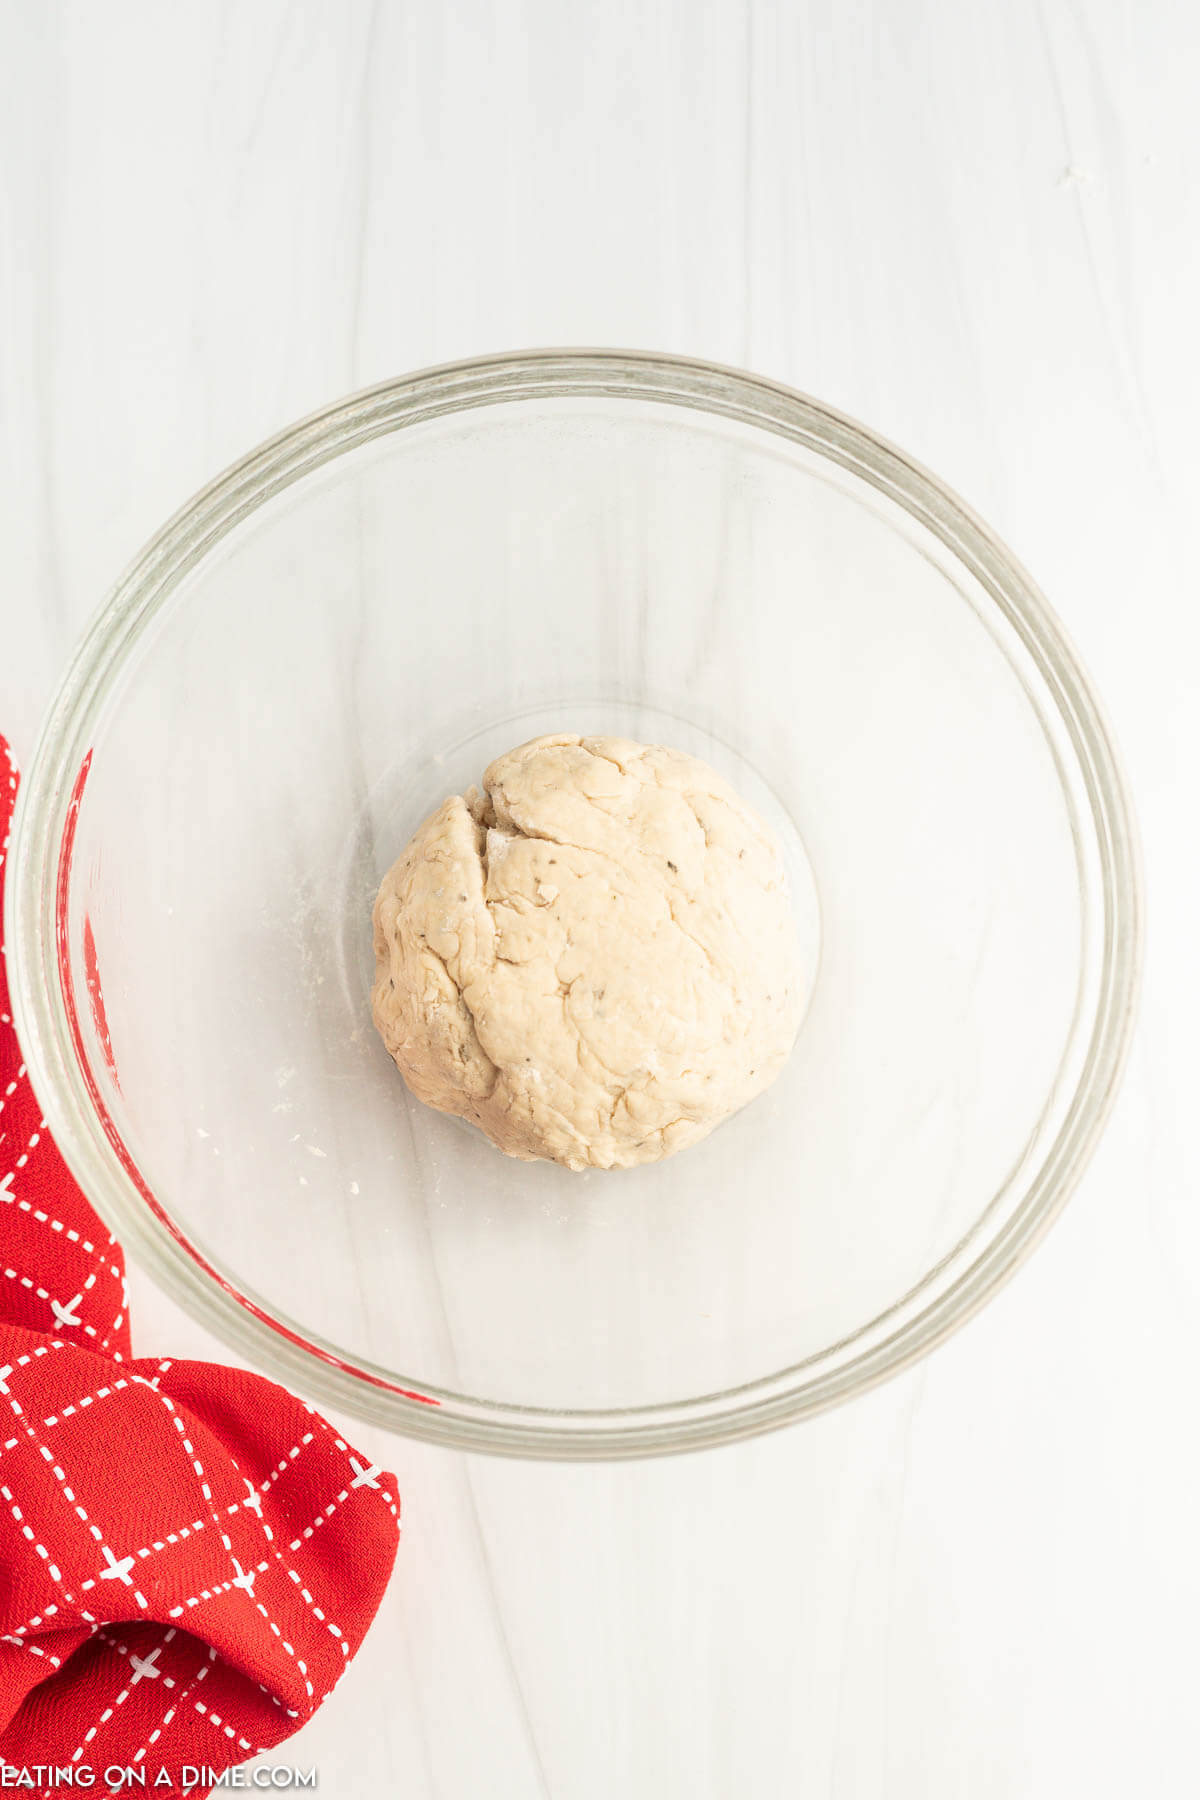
(361, 644)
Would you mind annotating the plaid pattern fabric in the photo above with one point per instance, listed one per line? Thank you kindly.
(189, 1556)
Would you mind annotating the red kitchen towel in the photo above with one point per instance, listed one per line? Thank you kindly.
(189, 1556)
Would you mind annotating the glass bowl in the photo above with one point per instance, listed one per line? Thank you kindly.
(345, 628)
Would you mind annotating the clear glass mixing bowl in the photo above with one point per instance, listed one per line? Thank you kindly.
(346, 627)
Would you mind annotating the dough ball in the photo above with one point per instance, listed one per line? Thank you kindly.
(595, 959)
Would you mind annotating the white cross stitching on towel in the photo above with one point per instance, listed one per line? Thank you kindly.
(244, 1578)
(344, 1447)
(117, 1569)
(66, 1315)
(365, 1475)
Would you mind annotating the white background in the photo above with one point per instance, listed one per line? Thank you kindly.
(975, 227)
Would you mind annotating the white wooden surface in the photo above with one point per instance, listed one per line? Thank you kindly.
(976, 228)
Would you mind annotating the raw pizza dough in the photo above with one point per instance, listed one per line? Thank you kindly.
(595, 959)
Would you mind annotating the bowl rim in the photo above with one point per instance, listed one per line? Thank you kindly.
(74, 1112)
